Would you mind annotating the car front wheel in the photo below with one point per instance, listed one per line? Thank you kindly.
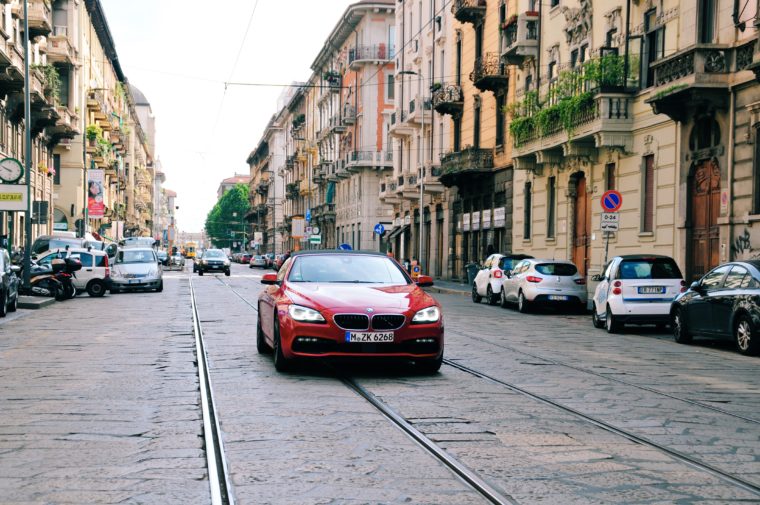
(200, 272)
(261, 343)
(96, 289)
(227, 273)
(503, 299)
(744, 333)
(160, 287)
(429, 366)
(13, 307)
(4, 304)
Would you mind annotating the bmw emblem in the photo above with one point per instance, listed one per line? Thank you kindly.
(370, 311)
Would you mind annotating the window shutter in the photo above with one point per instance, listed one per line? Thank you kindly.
(648, 217)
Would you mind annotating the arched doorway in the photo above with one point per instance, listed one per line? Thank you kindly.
(703, 248)
(582, 222)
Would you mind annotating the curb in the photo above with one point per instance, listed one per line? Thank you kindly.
(34, 303)
(448, 291)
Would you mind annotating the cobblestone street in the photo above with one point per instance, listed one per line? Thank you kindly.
(559, 413)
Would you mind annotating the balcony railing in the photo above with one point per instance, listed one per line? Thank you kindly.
(469, 11)
(448, 99)
(490, 73)
(374, 159)
(467, 161)
(349, 114)
(370, 54)
(520, 39)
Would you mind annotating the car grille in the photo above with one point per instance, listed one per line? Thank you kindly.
(387, 321)
(316, 345)
(352, 321)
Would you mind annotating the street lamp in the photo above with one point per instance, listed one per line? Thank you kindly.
(421, 249)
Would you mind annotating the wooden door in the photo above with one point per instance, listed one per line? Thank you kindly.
(705, 208)
(582, 229)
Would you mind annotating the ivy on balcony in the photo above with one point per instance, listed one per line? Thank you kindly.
(570, 98)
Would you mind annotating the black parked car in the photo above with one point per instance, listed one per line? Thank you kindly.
(9, 282)
(725, 303)
(163, 258)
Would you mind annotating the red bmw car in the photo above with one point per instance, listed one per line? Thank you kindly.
(348, 304)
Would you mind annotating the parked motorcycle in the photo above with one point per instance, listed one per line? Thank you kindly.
(42, 280)
(66, 278)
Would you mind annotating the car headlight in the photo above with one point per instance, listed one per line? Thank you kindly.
(226, 263)
(305, 314)
(428, 315)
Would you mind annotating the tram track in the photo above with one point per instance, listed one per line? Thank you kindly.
(555, 362)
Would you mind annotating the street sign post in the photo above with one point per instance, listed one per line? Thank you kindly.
(611, 202)
(610, 221)
(315, 239)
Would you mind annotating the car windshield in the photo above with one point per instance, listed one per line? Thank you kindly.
(162, 254)
(559, 269)
(138, 241)
(649, 268)
(132, 256)
(507, 263)
(347, 268)
(214, 254)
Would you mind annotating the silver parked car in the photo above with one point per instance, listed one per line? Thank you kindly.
(546, 282)
(136, 268)
(258, 261)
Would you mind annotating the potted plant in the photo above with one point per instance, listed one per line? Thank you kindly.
(436, 86)
(93, 133)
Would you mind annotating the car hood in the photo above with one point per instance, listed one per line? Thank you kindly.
(338, 297)
(135, 268)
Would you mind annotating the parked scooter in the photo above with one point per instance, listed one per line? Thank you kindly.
(42, 280)
(66, 278)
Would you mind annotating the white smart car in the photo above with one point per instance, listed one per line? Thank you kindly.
(636, 289)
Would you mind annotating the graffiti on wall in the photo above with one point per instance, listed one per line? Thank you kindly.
(741, 247)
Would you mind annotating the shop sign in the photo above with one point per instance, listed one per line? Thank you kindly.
(486, 219)
(476, 221)
(466, 222)
(499, 215)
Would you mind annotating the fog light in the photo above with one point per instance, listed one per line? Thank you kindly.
(308, 340)
(425, 341)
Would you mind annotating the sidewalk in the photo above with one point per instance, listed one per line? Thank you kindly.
(450, 288)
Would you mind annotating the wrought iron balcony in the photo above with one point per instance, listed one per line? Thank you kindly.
(469, 11)
(697, 75)
(349, 114)
(448, 99)
(467, 162)
(292, 190)
(263, 188)
(379, 53)
(520, 39)
(490, 73)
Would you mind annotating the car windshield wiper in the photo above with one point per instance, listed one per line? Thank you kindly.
(357, 282)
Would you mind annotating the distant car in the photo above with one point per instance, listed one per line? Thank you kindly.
(279, 260)
(177, 261)
(163, 257)
(489, 279)
(270, 259)
(636, 289)
(139, 242)
(544, 282)
(348, 304)
(95, 275)
(9, 283)
(245, 258)
(258, 261)
(214, 260)
(136, 268)
(725, 303)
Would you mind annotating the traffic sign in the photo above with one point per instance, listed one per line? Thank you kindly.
(315, 239)
(610, 221)
(308, 214)
(315, 230)
(345, 247)
(379, 228)
(612, 200)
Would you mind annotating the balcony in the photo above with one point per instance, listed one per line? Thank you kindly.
(409, 187)
(336, 124)
(469, 11)
(263, 188)
(60, 49)
(39, 19)
(96, 102)
(369, 159)
(420, 110)
(388, 191)
(520, 39)
(432, 180)
(490, 73)
(465, 163)
(305, 188)
(341, 170)
(448, 99)
(292, 190)
(290, 161)
(349, 114)
(66, 125)
(697, 76)
(317, 175)
(363, 55)
(400, 126)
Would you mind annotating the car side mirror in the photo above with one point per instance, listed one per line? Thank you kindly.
(424, 281)
(696, 286)
(597, 278)
(269, 279)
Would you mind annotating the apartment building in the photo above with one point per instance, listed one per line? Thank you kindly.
(478, 169)
(655, 100)
(420, 134)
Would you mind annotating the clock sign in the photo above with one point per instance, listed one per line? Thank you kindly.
(11, 170)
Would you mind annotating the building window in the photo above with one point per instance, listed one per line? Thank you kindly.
(647, 207)
(476, 125)
(57, 168)
(706, 21)
(459, 61)
(610, 39)
(551, 205)
(654, 46)
(554, 3)
(479, 41)
(499, 120)
(391, 91)
(457, 134)
(609, 176)
(527, 211)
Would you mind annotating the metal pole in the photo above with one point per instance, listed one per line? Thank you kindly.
(422, 172)
(28, 153)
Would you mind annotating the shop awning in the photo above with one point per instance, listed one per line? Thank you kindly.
(397, 231)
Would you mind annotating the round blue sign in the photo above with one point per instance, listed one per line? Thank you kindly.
(379, 229)
(345, 247)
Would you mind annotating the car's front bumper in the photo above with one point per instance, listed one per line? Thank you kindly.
(136, 283)
(410, 341)
(214, 267)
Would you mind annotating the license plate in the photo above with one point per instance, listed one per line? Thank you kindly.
(651, 290)
(367, 336)
(134, 281)
(558, 298)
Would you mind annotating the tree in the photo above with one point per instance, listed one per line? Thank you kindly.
(225, 223)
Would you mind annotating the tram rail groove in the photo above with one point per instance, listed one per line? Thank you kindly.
(463, 472)
(611, 379)
(676, 455)
(238, 295)
(219, 482)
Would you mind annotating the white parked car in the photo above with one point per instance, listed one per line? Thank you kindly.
(544, 282)
(491, 275)
(137, 268)
(636, 289)
(95, 275)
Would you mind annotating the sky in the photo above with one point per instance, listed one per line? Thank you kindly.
(180, 53)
